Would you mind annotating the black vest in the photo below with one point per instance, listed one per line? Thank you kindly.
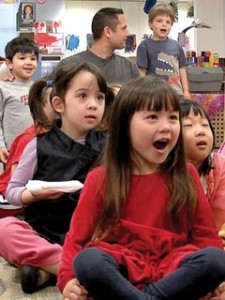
(61, 159)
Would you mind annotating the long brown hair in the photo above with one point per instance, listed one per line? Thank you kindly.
(37, 98)
(149, 93)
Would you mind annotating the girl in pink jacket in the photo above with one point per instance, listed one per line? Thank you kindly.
(199, 143)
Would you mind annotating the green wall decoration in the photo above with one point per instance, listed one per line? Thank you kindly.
(190, 12)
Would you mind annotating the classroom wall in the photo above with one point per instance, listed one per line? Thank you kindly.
(213, 13)
(50, 10)
(7, 24)
(77, 15)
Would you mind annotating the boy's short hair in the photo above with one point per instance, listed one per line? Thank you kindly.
(161, 9)
(21, 45)
(106, 16)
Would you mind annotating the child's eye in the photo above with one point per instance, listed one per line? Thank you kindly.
(152, 117)
(82, 95)
(174, 117)
(205, 125)
(187, 125)
(101, 97)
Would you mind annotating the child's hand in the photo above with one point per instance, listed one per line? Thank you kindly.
(4, 153)
(53, 196)
(74, 291)
(28, 198)
(43, 197)
(222, 234)
(222, 231)
(219, 293)
(9, 77)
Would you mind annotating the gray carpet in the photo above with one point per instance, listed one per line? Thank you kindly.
(10, 286)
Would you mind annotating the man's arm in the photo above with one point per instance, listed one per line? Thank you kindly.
(142, 72)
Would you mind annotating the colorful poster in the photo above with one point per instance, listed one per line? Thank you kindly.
(131, 43)
(72, 42)
(49, 39)
(90, 41)
(40, 27)
(8, 1)
(57, 26)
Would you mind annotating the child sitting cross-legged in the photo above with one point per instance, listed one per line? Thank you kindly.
(143, 228)
(66, 152)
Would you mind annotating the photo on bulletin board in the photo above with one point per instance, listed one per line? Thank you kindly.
(28, 12)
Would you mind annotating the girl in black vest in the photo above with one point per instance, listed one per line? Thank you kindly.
(66, 152)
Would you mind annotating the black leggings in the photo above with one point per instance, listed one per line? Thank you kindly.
(198, 274)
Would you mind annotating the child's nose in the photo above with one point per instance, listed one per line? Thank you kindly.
(92, 104)
(165, 125)
(199, 130)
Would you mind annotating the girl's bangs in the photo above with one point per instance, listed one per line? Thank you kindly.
(190, 105)
(102, 84)
(158, 101)
(198, 111)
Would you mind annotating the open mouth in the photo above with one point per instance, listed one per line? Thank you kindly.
(201, 143)
(161, 144)
(91, 117)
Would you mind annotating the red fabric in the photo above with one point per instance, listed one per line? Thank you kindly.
(16, 151)
(146, 241)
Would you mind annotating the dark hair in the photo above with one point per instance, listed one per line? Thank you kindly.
(109, 97)
(36, 99)
(161, 9)
(22, 45)
(65, 74)
(24, 11)
(150, 93)
(107, 16)
(186, 107)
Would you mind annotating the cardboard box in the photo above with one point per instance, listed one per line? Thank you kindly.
(205, 79)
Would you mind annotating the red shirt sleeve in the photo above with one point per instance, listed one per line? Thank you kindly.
(81, 227)
(15, 153)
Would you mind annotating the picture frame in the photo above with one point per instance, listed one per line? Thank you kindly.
(27, 12)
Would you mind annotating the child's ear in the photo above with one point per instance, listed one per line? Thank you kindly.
(58, 104)
(9, 63)
(150, 25)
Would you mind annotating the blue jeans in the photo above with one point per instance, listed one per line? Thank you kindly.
(104, 278)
